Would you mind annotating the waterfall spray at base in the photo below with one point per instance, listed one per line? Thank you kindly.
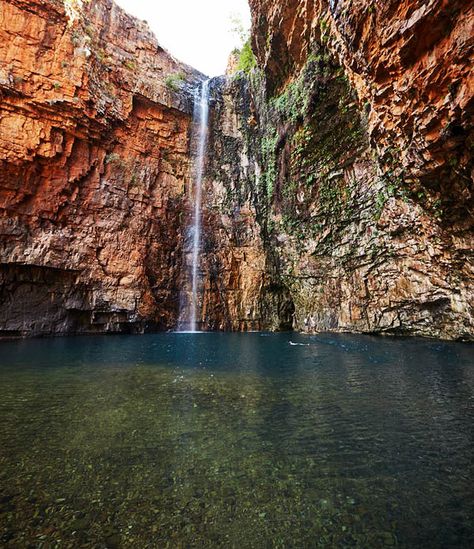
(188, 317)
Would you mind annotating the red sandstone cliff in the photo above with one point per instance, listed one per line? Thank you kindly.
(370, 195)
(338, 192)
(93, 166)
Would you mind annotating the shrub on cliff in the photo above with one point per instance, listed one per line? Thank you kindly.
(174, 81)
(247, 59)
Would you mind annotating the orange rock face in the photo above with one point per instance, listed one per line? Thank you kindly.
(93, 169)
(338, 192)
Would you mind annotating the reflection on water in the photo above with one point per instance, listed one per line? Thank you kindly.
(207, 440)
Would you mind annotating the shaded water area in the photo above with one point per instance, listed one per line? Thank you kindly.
(248, 440)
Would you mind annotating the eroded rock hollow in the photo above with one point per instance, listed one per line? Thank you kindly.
(338, 184)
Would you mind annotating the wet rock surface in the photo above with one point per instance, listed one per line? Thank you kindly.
(364, 207)
(241, 288)
(410, 65)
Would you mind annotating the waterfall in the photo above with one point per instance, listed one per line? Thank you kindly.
(196, 226)
(201, 118)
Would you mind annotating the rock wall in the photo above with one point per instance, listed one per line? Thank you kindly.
(94, 165)
(410, 63)
(357, 139)
(339, 183)
(241, 288)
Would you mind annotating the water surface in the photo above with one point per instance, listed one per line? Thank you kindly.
(236, 440)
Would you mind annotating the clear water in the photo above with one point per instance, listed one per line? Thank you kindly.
(236, 440)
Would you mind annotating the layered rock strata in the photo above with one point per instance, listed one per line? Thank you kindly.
(411, 65)
(359, 139)
(94, 162)
(241, 286)
(338, 192)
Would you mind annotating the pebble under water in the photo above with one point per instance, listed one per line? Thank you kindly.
(236, 440)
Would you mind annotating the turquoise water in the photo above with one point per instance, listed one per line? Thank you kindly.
(236, 440)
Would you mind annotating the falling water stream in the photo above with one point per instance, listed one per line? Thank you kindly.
(201, 117)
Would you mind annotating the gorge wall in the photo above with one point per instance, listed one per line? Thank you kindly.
(339, 180)
(352, 152)
(94, 158)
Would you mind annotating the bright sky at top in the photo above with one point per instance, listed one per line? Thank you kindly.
(197, 32)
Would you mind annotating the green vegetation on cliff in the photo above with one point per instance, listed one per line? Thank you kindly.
(246, 58)
(312, 129)
(174, 81)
